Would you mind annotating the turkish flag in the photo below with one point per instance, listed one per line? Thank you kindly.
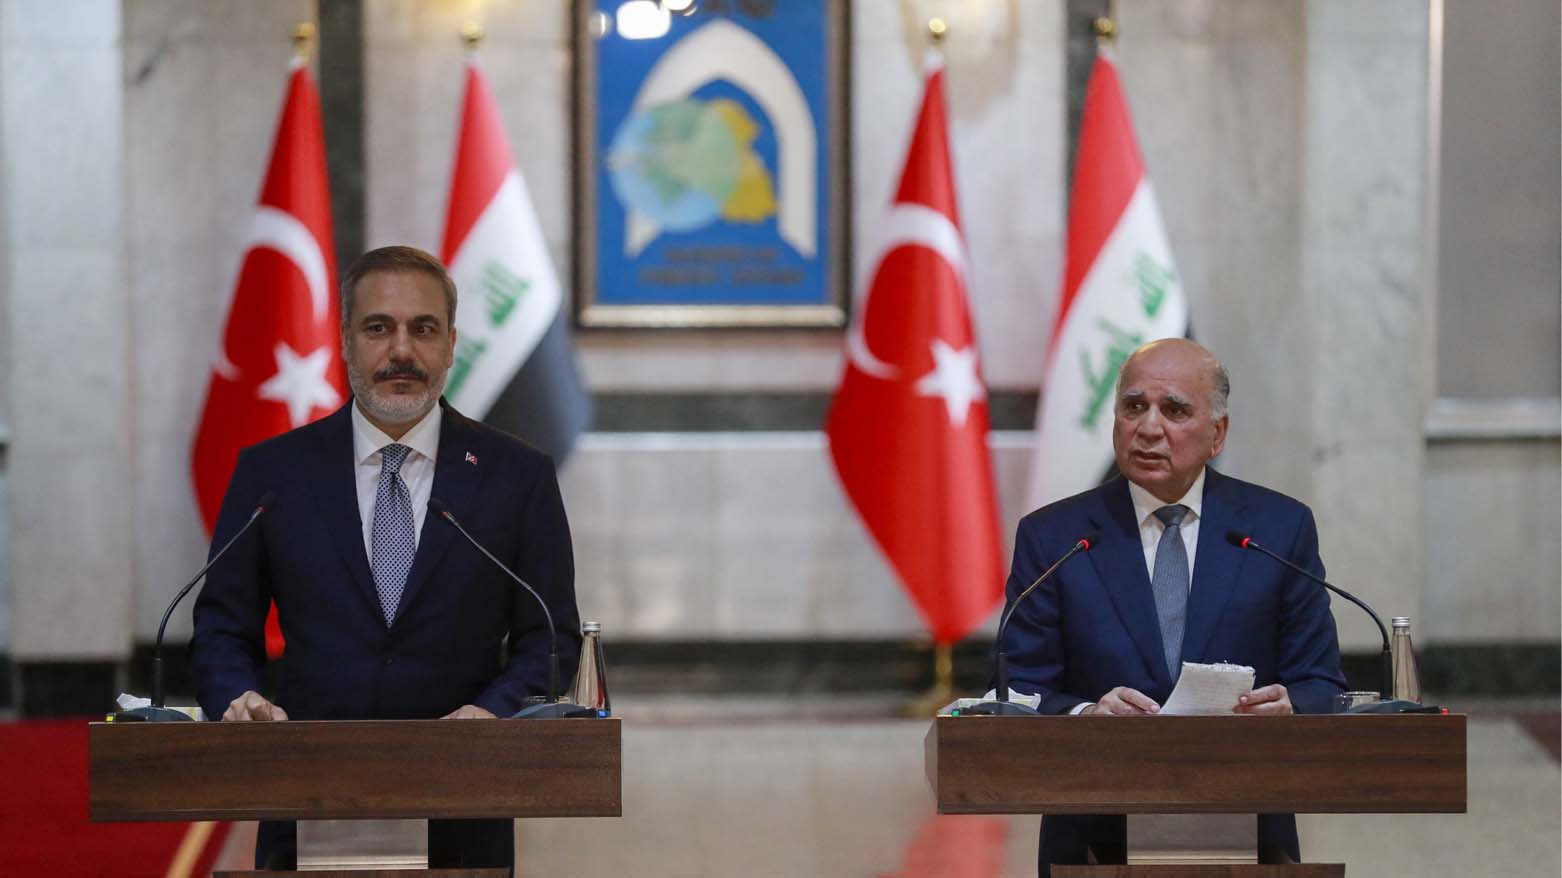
(280, 365)
(908, 427)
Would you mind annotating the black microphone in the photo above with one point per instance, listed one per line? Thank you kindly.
(553, 708)
(1001, 705)
(157, 712)
(1242, 541)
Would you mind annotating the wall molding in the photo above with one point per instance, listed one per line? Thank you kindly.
(1453, 419)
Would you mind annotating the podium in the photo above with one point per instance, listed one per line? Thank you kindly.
(1342, 764)
(355, 770)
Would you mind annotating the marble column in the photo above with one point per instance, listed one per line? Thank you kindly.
(69, 321)
(1362, 278)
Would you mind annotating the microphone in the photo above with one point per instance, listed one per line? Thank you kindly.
(1242, 541)
(157, 712)
(553, 708)
(1001, 705)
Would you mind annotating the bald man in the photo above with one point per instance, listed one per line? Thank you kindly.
(1107, 634)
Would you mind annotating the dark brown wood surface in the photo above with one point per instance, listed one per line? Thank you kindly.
(1299, 870)
(367, 769)
(1197, 764)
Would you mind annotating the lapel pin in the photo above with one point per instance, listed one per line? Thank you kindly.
(471, 458)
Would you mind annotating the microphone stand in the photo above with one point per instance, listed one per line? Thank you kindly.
(156, 712)
(1000, 705)
(552, 708)
(1388, 704)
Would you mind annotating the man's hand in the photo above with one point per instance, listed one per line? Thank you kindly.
(1123, 701)
(252, 706)
(1270, 700)
(468, 711)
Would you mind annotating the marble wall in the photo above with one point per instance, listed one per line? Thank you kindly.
(1286, 141)
(69, 391)
(203, 85)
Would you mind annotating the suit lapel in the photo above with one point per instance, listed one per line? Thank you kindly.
(1120, 564)
(336, 491)
(1215, 567)
(456, 477)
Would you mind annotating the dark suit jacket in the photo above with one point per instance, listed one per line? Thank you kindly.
(464, 632)
(1093, 625)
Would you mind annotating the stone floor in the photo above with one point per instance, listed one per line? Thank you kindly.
(835, 787)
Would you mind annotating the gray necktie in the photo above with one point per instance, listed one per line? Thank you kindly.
(393, 538)
(1171, 585)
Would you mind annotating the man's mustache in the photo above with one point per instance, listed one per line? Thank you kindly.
(401, 370)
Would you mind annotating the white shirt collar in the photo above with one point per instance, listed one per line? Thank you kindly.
(1146, 503)
(368, 439)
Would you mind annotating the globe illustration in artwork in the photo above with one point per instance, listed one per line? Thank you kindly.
(685, 163)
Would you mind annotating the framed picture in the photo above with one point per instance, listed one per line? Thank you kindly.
(711, 178)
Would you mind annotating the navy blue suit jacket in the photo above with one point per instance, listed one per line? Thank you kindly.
(1093, 625)
(464, 633)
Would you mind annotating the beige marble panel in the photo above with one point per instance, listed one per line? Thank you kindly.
(71, 551)
(39, 24)
(735, 536)
(1492, 525)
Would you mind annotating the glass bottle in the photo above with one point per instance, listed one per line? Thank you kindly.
(1407, 683)
(590, 687)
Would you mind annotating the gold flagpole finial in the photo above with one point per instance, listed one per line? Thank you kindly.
(303, 37)
(937, 28)
(472, 35)
(1105, 28)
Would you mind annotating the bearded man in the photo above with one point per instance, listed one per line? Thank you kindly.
(387, 613)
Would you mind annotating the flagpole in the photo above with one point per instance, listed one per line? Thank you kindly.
(943, 688)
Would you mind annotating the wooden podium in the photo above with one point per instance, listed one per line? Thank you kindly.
(1197, 765)
(355, 770)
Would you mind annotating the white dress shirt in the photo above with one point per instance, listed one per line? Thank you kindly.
(1151, 528)
(417, 470)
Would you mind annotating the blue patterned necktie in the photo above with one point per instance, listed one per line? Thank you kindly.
(394, 539)
(1171, 585)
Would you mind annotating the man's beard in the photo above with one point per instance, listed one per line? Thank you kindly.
(399, 408)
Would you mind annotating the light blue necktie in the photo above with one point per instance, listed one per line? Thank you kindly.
(1171, 585)
(394, 539)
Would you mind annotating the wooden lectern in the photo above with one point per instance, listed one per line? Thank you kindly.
(1342, 764)
(355, 770)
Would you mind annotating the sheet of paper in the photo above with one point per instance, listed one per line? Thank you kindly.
(1208, 689)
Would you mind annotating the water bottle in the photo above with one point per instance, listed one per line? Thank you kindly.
(590, 687)
(1407, 683)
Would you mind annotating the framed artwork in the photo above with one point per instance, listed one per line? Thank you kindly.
(711, 180)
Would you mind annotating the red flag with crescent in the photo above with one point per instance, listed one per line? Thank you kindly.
(280, 362)
(908, 426)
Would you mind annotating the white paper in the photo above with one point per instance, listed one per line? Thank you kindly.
(1208, 689)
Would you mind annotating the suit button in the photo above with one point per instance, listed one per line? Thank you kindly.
(389, 660)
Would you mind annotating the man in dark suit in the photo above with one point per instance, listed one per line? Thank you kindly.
(387, 612)
(1107, 634)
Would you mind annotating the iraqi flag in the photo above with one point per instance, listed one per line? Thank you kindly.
(515, 366)
(1120, 290)
(280, 364)
(908, 426)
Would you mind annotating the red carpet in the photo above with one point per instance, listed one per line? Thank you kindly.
(43, 815)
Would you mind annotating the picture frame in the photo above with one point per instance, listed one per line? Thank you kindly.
(712, 164)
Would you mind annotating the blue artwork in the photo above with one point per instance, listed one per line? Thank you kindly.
(713, 191)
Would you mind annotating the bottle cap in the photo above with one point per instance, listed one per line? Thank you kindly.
(1401, 621)
(590, 627)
